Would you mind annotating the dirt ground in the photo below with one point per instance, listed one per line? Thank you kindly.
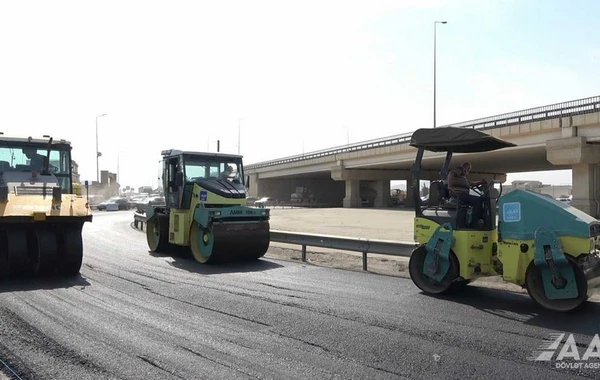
(380, 224)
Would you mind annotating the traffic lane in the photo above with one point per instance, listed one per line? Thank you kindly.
(135, 314)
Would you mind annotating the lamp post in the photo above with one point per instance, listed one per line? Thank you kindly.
(98, 153)
(118, 171)
(239, 133)
(118, 164)
(434, 66)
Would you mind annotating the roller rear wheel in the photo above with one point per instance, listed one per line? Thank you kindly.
(422, 281)
(535, 288)
(157, 233)
(17, 251)
(70, 251)
(4, 268)
(43, 251)
(201, 244)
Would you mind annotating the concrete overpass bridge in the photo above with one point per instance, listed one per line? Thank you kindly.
(558, 136)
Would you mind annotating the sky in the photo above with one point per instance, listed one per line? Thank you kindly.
(293, 76)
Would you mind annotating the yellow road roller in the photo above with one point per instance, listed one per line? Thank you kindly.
(206, 209)
(41, 219)
(530, 239)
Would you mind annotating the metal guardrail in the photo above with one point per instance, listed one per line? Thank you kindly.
(365, 246)
(139, 220)
(570, 108)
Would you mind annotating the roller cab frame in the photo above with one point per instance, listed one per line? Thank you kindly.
(206, 209)
(531, 240)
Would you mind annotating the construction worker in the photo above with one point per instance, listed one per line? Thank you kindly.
(35, 160)
(226, 174)
(460, 187)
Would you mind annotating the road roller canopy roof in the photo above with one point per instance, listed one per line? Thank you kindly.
(457, 140)
(177, 152)
(32, 140)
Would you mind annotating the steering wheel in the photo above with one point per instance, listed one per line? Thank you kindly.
(480, 189)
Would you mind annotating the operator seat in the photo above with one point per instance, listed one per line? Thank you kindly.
(440, 195)
(4, 166)
(435, 197)
(461, 208)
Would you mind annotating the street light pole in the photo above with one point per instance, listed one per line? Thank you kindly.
(118, 164)
(239, 133)
(434, 66)
(118, 171)
(98, 153)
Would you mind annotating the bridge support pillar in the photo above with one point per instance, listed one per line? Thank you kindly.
(253, 189)
(384, 197)
(584, 159)
(352, 199)
(585, 188)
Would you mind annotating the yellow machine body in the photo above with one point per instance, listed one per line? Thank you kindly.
(180, 220)
(474, 249)
(41, 217)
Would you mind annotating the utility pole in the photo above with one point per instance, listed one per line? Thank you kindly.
(434, 66)
(118, 171)
(239, 134)
(98, 154)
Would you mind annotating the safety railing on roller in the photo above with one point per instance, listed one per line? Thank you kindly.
(364, 246)
(552, 111)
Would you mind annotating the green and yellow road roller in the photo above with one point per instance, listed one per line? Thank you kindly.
(206, 209)
(531, 240)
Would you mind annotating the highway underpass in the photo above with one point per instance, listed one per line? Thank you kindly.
(554, 137)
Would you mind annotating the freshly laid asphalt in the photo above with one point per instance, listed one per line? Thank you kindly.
(133, 314)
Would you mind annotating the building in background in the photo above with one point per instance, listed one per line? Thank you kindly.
(75, 169)
(107, 187)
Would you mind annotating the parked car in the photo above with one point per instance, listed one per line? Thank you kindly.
(150, 201)
(266, 201)
(120, 202)
(95, 200)
(134, 200)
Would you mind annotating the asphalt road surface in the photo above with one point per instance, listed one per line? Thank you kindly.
(137, 315)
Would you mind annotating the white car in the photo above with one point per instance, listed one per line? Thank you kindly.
(265, 201)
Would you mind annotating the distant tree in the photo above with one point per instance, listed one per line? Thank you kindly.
(77, 189)
(424, 190)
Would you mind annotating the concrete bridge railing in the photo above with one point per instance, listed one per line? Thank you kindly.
(552, 111)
